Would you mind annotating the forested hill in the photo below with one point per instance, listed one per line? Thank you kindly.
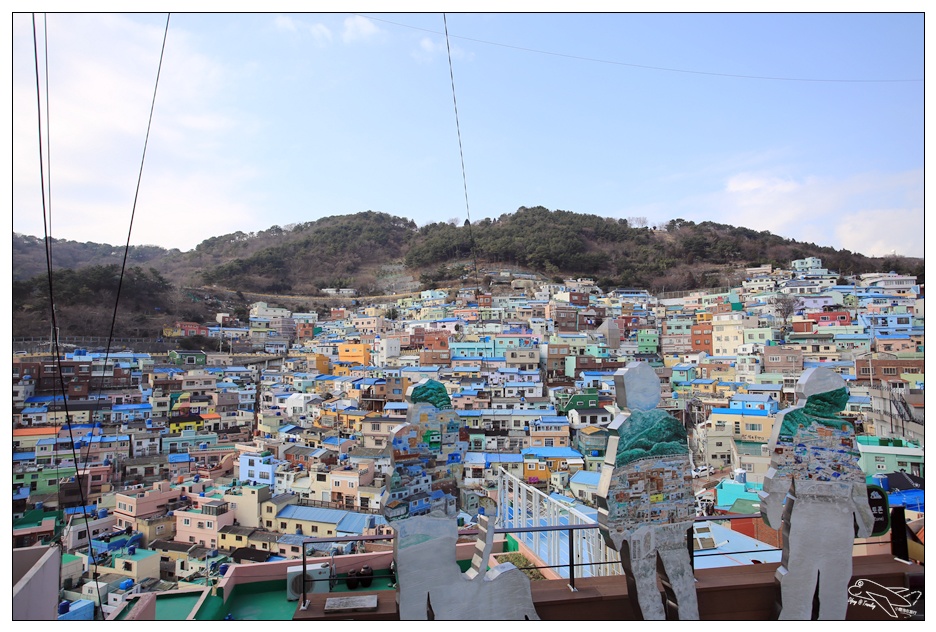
(349, 251)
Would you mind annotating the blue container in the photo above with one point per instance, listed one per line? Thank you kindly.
(881, 479)
(64, 607)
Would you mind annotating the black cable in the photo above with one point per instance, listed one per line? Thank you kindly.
(123, 266)
(54, 345)
(461, 154)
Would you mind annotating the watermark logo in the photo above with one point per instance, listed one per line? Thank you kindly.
(894, 601)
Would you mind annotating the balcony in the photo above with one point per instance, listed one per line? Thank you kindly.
(737, 593)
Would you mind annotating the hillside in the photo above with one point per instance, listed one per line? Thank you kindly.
(358, 250)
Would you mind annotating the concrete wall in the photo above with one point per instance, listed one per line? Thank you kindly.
(36, 583)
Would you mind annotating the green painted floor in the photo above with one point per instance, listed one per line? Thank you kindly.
(266, 601)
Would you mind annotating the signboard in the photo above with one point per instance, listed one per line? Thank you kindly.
(877, 498)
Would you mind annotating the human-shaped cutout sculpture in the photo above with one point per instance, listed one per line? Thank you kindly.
(816, 489)
(647, 503)
(430, 582)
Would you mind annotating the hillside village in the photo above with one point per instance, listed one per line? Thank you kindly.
(172, 469)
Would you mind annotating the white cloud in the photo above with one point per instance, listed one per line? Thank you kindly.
(320, 33)
(748, 182)
(102, 74)
(358, 28)
(884, 231)
(285, 23)
(870, 213)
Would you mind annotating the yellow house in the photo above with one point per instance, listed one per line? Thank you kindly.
(744, 427)
(354, 352)
(535, 469)
(178, 424)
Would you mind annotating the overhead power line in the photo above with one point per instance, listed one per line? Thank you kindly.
(643, 66)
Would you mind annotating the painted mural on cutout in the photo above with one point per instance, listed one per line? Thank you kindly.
(815, 492)
(421, 505)
(648, 503)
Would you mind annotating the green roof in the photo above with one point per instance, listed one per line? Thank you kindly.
(745, 506)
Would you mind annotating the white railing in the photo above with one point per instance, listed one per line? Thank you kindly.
(523, 506)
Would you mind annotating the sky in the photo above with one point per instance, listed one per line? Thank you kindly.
(807, 125)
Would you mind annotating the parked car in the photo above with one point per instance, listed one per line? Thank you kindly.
(702, 470)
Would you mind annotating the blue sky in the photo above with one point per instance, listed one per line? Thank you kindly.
(769, 121)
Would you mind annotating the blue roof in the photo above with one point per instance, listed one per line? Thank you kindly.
(334, 440)
(76, 510)
(552, 453)
(552, 420)
(912, 499)
(752, 397)
(24, 456)
(585, 477)
(494, 457)
(180, 458)
(355, 523)
(312, 514)
(34, 410)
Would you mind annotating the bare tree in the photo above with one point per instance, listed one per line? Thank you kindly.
(784, 306)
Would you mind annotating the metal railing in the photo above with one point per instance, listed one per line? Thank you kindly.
(899, 543)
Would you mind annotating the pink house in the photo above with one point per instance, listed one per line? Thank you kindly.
(140, 503)
(346, 483)
(201, 525)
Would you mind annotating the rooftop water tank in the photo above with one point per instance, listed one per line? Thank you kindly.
(126, 584)
(39, 505)
(131, 550)
(63, 607)
(102, 513)
(223, 569)
(213, 553)
(197, 478)
(201, 494)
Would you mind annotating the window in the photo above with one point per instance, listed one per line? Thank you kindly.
(282, 525)
(890, 370)
(269, 524)
(865, 370)
(209, 525)
(186, 521)
(753, 427)
(879, 459)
